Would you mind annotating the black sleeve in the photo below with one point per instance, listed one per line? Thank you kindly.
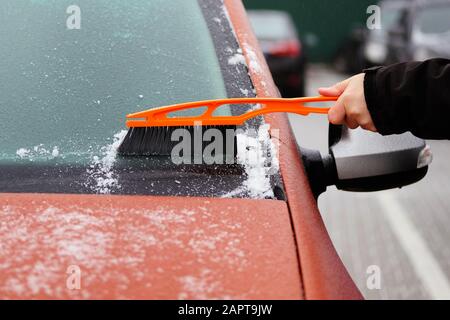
(412, 96)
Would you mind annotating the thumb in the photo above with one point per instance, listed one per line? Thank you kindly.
(336, 90)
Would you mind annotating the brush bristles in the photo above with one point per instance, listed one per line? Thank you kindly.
(152, 141)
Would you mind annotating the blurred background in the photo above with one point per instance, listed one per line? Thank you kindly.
(314, 43)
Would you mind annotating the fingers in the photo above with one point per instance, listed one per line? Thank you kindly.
(350, 108)
(357, 115)
(336, 115)
(335, 90)
(367, 124)
(343, 113)
(351, 123)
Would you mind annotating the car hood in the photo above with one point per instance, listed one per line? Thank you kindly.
(136, 247)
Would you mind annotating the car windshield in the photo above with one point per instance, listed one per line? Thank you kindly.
(66, 88)
(65, 92)
(271, 25)
(434, 20)
(71, 73)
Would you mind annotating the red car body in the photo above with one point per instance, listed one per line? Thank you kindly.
(150, 247)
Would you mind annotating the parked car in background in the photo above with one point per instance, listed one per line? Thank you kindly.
(281, 45)
(411, 30)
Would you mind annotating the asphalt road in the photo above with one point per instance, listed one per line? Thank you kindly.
(403, 233)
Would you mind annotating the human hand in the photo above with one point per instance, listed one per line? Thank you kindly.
(351, 108)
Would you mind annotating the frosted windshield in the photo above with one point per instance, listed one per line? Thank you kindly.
(64, 93)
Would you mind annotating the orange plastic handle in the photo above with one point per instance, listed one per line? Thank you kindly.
(158, 117)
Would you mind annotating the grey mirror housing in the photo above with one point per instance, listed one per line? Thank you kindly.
(367, 161)
(360, 160)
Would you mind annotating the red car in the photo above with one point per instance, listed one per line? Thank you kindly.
(80, 222)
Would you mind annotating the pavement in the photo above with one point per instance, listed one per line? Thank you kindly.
(400, 237)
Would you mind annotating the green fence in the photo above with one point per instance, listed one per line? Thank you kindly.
(323, 24)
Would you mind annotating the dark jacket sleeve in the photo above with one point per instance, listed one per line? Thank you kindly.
(412, 96)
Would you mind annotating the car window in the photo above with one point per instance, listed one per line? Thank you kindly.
(435, 19)
(64, 93)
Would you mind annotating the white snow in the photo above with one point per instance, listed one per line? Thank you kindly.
(38, 151)
(251, 154)
(55, 152)
(114, 245)
(256, 106)
(252, 150)
(237, 59)
(245, 92)
(22, 152)
(253, 59)
(201, 286)
(102, 178)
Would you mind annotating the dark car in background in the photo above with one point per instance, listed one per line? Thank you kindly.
(349, 57)
(282, 48)
(411, 30)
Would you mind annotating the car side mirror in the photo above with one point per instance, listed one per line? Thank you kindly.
(368, 161)
(360, 160)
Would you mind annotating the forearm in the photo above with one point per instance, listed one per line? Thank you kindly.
(413, 96)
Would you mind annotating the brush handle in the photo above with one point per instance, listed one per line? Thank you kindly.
(159, 116)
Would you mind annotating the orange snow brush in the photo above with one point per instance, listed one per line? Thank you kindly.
(151, 131)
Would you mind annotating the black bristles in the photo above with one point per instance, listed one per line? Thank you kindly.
(152, 141)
